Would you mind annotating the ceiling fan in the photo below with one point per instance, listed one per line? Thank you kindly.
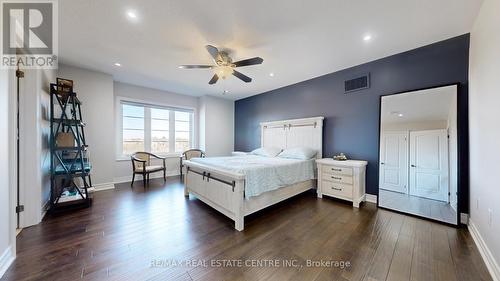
(224, 65)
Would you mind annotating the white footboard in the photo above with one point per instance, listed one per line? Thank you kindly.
(224, 191)
(221, 190)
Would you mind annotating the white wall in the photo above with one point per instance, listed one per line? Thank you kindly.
(202, 109)
(216, 126)
(95, 90)
(123, 168)
(453, 152)
(414, 126)
(7, 239)
(484, 123)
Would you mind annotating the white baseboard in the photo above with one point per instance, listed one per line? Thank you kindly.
(371, 198)
(486, 254)
(103, 186)
(139, 177)
(6, 260)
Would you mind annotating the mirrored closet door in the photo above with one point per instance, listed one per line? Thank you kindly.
(418, 153)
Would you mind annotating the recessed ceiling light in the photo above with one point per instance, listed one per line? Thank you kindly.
(367, 38)
(131, 14)
(271, 74)
(397, 113)
(118, 64)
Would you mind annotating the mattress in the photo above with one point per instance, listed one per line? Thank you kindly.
(263, 174)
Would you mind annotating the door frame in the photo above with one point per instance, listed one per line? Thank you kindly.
(462, 144)
(12, 156)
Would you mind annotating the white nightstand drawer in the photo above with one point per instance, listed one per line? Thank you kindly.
(338, 170)
(337, 178)
(337, 189)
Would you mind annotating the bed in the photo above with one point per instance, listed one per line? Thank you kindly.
(241, 185)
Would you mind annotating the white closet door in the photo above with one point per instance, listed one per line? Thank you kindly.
(393, 166)
(429, 164)
(274, 137)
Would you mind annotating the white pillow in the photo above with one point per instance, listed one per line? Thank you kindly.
(267, 151)
(302, 153)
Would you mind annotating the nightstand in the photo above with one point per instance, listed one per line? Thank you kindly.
(342, 179)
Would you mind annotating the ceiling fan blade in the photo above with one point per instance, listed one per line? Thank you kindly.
(252, 61)
(214, 79)
(194, 66)
(214, 52)
(242, 76)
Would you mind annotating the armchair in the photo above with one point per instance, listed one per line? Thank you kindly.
(141, 164)
(188, 154)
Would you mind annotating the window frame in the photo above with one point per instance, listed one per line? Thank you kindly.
(120, 156)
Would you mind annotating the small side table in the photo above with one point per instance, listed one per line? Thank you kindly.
(342, 179)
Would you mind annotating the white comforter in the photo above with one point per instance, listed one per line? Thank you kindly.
(263, 174)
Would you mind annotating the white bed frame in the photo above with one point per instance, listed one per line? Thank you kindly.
(224, 190)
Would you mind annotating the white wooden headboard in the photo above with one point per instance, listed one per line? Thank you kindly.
(304, 132)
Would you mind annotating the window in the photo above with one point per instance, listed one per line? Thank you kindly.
(160, 130)
(155, 129)
(133, 128)
(182, 131)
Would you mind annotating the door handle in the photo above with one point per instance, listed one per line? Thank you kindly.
(382, 163)
(413, 166)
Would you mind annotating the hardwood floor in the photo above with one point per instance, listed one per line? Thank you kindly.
(138, 234)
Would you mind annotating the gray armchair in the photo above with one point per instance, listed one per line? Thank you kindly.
(141, 164)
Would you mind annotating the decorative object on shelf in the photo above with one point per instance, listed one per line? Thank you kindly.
(70, 159)
(340, 157)
(64, 87)
(65, 140)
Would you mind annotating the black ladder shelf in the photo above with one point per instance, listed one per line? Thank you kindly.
(70, 164)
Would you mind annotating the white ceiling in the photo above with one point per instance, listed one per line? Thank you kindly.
(298, 40)
(418, 106)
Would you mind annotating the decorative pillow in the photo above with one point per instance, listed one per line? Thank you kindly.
(267, 151)
(302, 153)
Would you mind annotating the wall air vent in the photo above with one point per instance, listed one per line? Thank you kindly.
(358, 83)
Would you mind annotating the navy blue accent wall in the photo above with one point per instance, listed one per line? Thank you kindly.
(352, 121)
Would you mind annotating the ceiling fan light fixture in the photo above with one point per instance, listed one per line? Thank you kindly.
(224, 71)
(224, 65)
